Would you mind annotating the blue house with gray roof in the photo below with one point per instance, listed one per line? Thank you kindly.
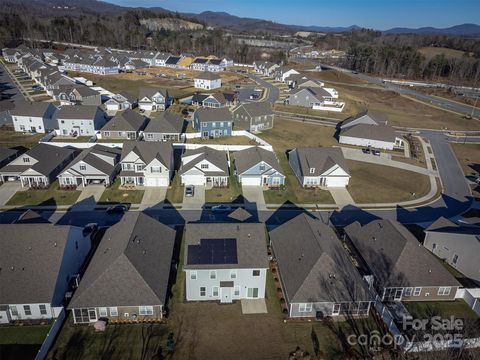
(213, 123)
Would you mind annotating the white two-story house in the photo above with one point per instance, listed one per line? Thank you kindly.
(225, 262)
(36, 117)
(207, 81)
(151, 99)
(146, 163)
(80, 120)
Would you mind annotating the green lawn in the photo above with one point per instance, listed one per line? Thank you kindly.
(113, 194)
(26, 334)
(227, 140)
(71, 139)
(445, 309)
(293, 192)
(49, 197)
(231, 193)
(175, 191)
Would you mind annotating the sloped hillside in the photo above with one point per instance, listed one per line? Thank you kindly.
(173, 24)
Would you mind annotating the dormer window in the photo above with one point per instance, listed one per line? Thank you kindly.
(312, 170)
(204, 166)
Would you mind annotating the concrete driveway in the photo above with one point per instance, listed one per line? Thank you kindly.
(91, 193)
(196, 201)
(154, 195)
(341, 196)
(7, 190)
(253, 196)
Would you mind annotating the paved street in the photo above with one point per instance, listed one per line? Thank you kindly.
(273, 91)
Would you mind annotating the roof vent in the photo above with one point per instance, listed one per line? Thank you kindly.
(55, 244)
(12, 268)
(144, 252)
(30, 248)
(106, 249)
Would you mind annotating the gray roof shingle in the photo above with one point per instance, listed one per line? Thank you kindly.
(166, 123)
(313, 265)
(395, 257)
(207, 75)
(248, 158)
(130, 267)
(127, 120)
(319, 158)
(69, 112)
(148, 151)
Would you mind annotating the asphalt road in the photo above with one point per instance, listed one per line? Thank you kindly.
(273, 93)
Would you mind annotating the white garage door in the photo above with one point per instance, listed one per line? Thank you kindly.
(193, 180)
(156, 182)
(251, 180)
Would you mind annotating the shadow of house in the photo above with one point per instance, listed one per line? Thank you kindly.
(350, 214)
(169, 215)
(447, 207)
(287, 211)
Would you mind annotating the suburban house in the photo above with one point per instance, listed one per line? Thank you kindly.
(255, 116)
(126, 125)
(260, 167)
(160, 59)
(305, 82)
(95, 165)
(77, 95)
(216, 100)
(39, 166)
(153, 100)
(146, 163)
(317, 98)
(80, 120)
(172, 61)
(33, 117)
(369, 130)
(204, 166)
(284, 72)
(318, 279)
(7, 155)
(319, 166)
(266, 68)
(225, 262)
(128, 276)
(166, 126)
(121, 101)
(207, 81)
(457, 244)
(40, 262)
(213, 123)
(396, 265)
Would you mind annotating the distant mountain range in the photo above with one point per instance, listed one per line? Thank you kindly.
(228, 21)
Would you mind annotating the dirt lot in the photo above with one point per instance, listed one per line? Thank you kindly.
(469, 157)
(334, 76)
(371, 183)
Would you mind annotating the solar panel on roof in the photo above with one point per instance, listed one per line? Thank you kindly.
(213, 251)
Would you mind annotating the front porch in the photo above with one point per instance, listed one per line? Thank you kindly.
(216, 181)
(40, 182)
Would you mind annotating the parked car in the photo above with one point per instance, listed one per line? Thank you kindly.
(366, 151)
(117, 209)
(189, 190)
(376, 152)
(221, 208)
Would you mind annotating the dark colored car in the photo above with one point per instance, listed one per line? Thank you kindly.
(117, 209)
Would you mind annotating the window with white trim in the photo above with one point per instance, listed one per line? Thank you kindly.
(236, 291)
(408, 291)
(444, 291)
(455, 259)
(113, 311)
(213, 274)
(83, 167)
(256, 273)
(305, 307)
(417, 291)
(43, 309)
(312, 170)
(233, 274)
(215, 291)
(102, 311)
(193, 275)
(204, 166)
(145, 310)
(27, 310)
(13, 310)
(203, 291)
(156, 169)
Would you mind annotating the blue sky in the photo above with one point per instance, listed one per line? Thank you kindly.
(378, 14)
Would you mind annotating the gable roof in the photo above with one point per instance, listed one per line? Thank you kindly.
(31, 217)
(30, 260)
(90, 156)
(207, 75)
(127, 120)
(248, 158)
(368, 117)
(250, 241)
(209, 115)
(216, 157)
(373, 132)
(131, 265)
(446, 226)
(129, 96)
(240, 214)
(6, 153)
(149, 150)
(255, 109)
(33, 109)
(395, 257)
(48, 157)
(165, 122)
(319, 158)
(69, 112)
(313, 265)
(149, 92)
